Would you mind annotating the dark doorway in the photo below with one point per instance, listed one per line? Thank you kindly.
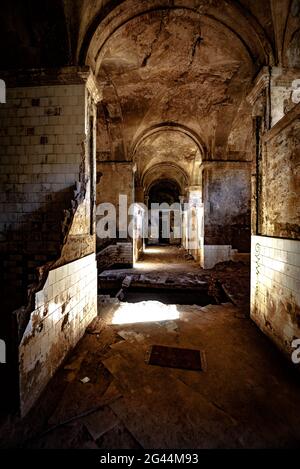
(164, 192)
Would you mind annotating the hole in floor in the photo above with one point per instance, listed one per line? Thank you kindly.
(168, 296)
(120, 266)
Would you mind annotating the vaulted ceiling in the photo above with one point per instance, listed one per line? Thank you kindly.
(160, 64)
(61, 32)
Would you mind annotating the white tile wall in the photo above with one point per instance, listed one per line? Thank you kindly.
(212, 254)
(36, 176)
(275, 288)
(70, 294)
(27, 166)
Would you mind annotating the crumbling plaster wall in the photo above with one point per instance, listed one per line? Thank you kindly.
(284, 83)
(42, 152)
(279, 202)
(275, 253)
(226, 195)
(63, 309)
(114, 179)
(275, 289)
(47, 133)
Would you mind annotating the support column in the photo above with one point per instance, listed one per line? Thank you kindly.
(193, 222)
(226, 195)
(115, 193)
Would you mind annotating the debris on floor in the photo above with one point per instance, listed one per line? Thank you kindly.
(85, 380)
(182, 281)
(126, 401)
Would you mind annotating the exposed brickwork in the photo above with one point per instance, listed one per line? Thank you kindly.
(119, 253)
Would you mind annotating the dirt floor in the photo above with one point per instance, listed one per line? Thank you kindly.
(166, 266)
(246, 396)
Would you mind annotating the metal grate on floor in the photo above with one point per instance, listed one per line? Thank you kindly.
(174, 357)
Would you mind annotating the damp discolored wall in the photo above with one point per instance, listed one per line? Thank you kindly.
(226, 195)
(275, 258)
(275, 287)
(279, 204)
(48, 191)
(114, 179)
(42, 145)
(63, 309)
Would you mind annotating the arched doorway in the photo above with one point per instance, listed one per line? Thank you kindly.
(166, 195)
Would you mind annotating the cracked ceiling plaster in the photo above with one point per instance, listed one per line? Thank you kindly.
(174, 66)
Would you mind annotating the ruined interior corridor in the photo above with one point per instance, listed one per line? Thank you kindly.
(165, 258)
(170, 269)
(149, 197)
(246, 397)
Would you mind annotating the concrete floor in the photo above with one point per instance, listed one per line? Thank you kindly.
(246, 397)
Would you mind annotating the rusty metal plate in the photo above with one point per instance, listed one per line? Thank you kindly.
(173, 357)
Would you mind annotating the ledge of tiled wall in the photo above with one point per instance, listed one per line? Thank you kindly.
(275, 289)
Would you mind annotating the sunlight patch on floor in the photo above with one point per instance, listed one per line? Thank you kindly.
(145, 311)
(156, 250)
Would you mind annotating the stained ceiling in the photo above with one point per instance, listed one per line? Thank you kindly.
(159, 63)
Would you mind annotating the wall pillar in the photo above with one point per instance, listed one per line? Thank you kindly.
(116, 188)
(226, 212)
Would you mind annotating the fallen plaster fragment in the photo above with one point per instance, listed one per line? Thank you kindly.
(85, 380)
(100, 422)
(127, 281)
(131, 336)
(120, 295)
(171, 326)
(111, 395)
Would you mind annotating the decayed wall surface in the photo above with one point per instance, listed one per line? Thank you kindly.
(227, 205)
(63, 309)
(275, 289)
(114, 179)
(48, 175)
(280, 208)
(275, 259)
(42, 131)
(226, 195)
(118, 253)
